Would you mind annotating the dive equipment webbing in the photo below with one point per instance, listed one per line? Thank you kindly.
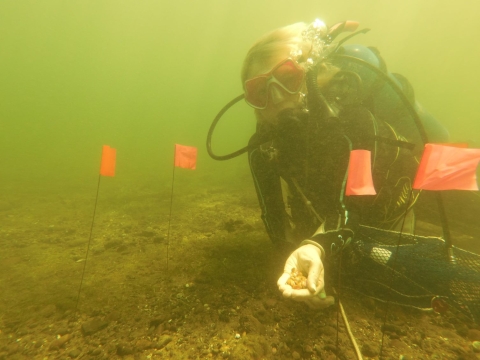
(424, 137)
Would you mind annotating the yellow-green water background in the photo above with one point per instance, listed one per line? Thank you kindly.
(143, 75)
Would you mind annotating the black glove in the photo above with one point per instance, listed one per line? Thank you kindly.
(334, 241)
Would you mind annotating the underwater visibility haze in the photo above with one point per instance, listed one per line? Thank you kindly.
(141, 76)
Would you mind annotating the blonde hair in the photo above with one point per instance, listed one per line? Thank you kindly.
(285, 39)
(289, 39)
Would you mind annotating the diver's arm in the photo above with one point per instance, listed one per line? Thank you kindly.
(334, 239)
(269, 194)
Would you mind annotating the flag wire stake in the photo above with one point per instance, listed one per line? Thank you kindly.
(171, 204)
(338, 300)
(88, 247)
(358, 352)
(393, 269)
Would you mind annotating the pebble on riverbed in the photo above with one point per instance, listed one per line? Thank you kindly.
(58, 343)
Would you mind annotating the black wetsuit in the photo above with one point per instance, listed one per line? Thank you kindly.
(308, 153)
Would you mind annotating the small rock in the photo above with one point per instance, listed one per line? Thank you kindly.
(113, 316)
(96, 351)
(74, 353)
(247, 227)
(159, 329)
(398, 344)
(62, 331)
(330, 347)
(393, 329)
(157, 321)
(158, 239)
(124, 349)
(163, 341)
(461, 329)
(369, 351)
(329, 331)
(92, 326)
(122, 248)
(110, 244)
(369, 303)
(448, 334)
(223, 316)
(473, 335)
(58, 343)
(270, 303)
(143, 344)
(251, 324)
(48, 310)
(296, 355)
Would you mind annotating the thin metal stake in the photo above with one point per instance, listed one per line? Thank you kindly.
(88, 247)
(171, 203)
(338, 295)
(393, 269)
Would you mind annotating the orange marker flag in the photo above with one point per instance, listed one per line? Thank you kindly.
(459, 145)
(107, 168)
(185, 156)
(447, 168)
(359, 181)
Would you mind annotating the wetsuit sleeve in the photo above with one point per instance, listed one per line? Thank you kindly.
(269, 193)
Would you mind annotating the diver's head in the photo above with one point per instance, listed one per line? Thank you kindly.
(273, 72)
(280, 88)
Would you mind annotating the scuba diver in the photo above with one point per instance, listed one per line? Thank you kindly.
(315, 100)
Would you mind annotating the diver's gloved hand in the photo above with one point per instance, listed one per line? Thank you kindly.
(308, 260)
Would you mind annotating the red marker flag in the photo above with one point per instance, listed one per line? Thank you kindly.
(447, 168)
(107, 168)
(359, 181)
(185, 156)
(459, 145)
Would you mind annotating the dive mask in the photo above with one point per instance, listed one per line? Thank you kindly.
(287, 75)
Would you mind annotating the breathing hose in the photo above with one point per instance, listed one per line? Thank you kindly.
(212, 128)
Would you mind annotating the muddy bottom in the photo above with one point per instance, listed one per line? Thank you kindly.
(217, 299)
